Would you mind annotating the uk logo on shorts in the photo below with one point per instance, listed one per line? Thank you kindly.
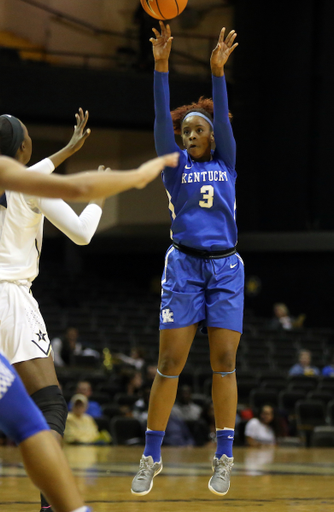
(167, 316)
(6, 379)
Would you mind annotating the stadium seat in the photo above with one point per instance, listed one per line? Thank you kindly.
(126, 431)
(323, 437)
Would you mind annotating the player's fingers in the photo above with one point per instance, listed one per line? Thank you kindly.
(84, 120)
(233, 47)
(171, 160)
(168, 31)
(101, 168)
(232, 39)
(156, 32)
(221, 35)
(163, 28)
(229, 37)
(80, 114)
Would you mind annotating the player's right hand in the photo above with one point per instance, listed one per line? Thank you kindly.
(162, 43)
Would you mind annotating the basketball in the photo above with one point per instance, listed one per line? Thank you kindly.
(164, 9)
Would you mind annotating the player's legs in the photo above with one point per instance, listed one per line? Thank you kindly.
(37, 373)
(174, 349)
(173, 353)
(23, 422)
(49, 471)
(40, 379)
(27, 346)
(223, 348)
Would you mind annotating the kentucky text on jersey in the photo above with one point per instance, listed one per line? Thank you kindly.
(197, 177)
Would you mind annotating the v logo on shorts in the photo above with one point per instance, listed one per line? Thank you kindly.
(41, 337)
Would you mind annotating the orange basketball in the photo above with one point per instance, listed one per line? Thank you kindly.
(164, 9)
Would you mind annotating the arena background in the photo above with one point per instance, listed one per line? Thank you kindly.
(85, 53)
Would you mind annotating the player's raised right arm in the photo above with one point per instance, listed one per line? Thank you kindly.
(83, 186)
(163, 124)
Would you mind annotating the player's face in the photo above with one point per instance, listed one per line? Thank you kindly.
(197, 137)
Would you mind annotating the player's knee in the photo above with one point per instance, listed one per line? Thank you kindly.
(51, 402)
(223, 362)
(170, 366)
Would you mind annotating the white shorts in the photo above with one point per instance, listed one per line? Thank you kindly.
(23, 333)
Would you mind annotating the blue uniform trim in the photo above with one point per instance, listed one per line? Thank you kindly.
(167, 376)
(20, 418)
(223, 374)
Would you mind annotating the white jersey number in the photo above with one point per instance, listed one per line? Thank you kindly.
(208, 192)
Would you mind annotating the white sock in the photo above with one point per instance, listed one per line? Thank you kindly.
(221, 429)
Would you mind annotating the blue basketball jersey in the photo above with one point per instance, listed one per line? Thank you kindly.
(201, 194)
(202, 204)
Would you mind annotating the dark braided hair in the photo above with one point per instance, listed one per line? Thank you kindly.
(204, 106)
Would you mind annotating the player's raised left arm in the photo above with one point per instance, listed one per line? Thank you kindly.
(80, 134)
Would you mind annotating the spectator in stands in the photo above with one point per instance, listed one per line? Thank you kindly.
(205, 431)
(328, 371)
(283, 320)
(133, 382)
(185, 408)
(93, 408)
(262, 430)
(135, 359)
(303, 367)
(80, 427)
(151, 371)
(65, 349)
(140, 409)
(177, 432)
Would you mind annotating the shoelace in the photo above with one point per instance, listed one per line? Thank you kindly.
(223, 469)
(143, 467)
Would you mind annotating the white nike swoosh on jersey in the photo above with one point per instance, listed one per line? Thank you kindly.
(232, 266)
(186, 167)
(230, 437)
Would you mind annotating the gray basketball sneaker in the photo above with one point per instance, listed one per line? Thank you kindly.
(143, 481)
(219, 483)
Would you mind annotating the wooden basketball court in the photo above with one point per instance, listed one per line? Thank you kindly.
(268, 479)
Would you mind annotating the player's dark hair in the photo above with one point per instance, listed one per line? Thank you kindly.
(204, 106)
(6, 136)
(11, 135)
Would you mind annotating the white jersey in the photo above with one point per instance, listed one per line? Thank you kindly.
(21, 228)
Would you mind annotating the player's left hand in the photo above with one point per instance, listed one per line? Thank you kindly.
(80, 134)
(223, 50)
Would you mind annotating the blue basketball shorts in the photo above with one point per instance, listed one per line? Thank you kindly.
(194, 290)
(20, 418)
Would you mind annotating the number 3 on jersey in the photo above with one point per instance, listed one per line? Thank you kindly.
(208, 193)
